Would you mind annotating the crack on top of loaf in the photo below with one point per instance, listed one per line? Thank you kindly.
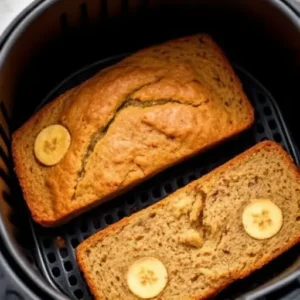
(128, 102)
(134, 169)
(126, 176)
(98, 135)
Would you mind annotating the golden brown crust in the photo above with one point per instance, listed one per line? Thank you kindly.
(130, 121)
(114, 228)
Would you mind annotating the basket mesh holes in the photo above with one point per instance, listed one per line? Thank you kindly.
(267, 111)
(74, 242)
(72, 280)
(78, 294)
(68, 266)
(180, 182)
(96, 223)
(121, 214)
(257, 115)
(272, 124)
(63, 252)
(84, 226)
(56, 272)
(156, 192)
(144, 197)
(168, 188)
(109, 219)
(51, 257)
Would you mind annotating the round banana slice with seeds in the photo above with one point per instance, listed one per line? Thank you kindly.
(262, 219)
(147, 277)
(51, 144)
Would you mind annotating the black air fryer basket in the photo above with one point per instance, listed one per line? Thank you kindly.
(54, 45)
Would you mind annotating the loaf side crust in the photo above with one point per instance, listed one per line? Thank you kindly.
(57, 194)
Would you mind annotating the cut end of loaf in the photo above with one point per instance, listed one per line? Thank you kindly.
(226, 253)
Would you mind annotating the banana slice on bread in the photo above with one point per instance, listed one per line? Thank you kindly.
(147, 277)
(262, 219)
(51, 144)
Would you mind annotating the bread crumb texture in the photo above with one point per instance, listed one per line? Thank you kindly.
(197, 232)
(130, 121)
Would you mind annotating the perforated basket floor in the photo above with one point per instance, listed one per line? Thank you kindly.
(55, 247)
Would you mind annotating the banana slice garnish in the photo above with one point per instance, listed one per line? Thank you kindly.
(262, 219)
(51, 144)
(147, 277)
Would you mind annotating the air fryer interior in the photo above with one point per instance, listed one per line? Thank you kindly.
(63, 37)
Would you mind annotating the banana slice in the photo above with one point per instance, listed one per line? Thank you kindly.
(262, 219)
(51, 144)
(147, 277)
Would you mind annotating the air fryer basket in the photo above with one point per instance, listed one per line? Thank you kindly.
(55, 45)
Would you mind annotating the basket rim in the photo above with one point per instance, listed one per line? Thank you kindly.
(7, 39)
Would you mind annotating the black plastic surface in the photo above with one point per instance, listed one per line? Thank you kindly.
(55, 247)
(11, 286)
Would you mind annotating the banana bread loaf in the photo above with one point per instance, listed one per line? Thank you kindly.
(151, 110)
(204, 236)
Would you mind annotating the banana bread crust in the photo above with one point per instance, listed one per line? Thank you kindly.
(152, 110)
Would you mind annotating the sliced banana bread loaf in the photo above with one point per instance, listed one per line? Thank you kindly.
(130, 121)
(204, 236)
